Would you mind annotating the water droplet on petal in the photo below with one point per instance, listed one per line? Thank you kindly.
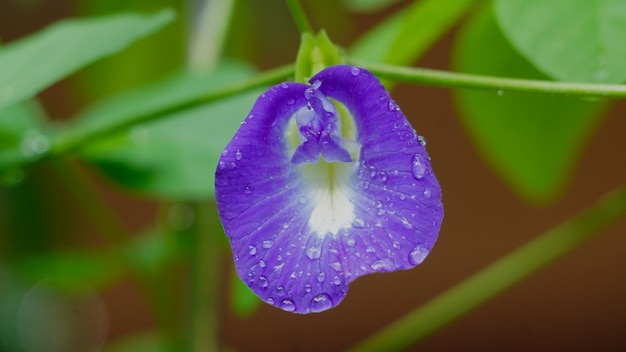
(351, 242)
(406, 223)
(270, 300)
(418, 169)
(392, 105)
(284, 85)
(358, 222)
(370, 249)
(321, 277)
(355, 71)
(291, 101)
(238, 155)
(262, 263)
(382, 176)
(320, 303)
(287, 305)
(307, 288)
(267, 244)
(252, 250)
(336, 281)
(427, 193)
(262, 281)
(336, 266)
(383, 265)
(302, 200)
(380, 212)
(247, 190)
(417, 255)
(422, 140)
(313, 252)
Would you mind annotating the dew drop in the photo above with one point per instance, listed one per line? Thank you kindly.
(262, 281)
(35, 144)
(321, 277)
(351, 242)
(313, 252)
(382, 176)
(270, 300)
(320, 303)
(422, 140)
(285, 226)
(262, 263)
(406, 223)
(382, 265)
(291, 101)
(336, 281)
(500, 92)
(336, 266)
(392, 106)
(380, 212)
(252, 250)
(355, 71)
(370, 249)
(287, 305)
(307, 288)
(238, 155)
(267, 244)
(358, 222)
(418, 169)
(302, 200)
(284, 85)
(247, 190)
(417, 255)
(427, 193)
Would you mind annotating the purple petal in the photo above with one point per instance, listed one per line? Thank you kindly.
(302, 227)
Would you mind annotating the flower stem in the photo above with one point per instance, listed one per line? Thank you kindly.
(205, 282)
(299, 17)
(497, 84)
(208, 33)
(499, 276)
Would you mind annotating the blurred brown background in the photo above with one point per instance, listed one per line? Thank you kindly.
(575, 304)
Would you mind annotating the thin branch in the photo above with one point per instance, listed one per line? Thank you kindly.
(496, 84)
(299, 17)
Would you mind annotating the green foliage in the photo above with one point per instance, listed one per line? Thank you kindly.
(23, 73)
(405, 36)
(569, 40)
(316, 52)
(175, 157)
(531, 140)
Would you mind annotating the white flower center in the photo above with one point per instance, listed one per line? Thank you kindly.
(330, 190)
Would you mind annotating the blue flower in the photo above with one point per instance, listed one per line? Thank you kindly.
(322, 184)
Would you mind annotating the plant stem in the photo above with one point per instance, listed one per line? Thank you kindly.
(496, 84)
(499, 276)
(209, 29)
(205, 287)
(72, 139)
(299, 17)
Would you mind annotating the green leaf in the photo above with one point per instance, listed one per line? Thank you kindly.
(368, 5)
(532, 141)
(174, 157)
(569, 40)
(144, 342)
(405, 36)
(34, 63)
(243, 301)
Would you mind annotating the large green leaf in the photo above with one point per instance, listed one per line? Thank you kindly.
(531, 140)
(34, 63)
(405, 36)
(174, 157)
(570, 40)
